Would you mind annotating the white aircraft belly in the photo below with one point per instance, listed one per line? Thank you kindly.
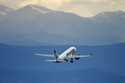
(64, 54)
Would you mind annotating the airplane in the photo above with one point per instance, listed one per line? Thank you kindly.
(68, 55)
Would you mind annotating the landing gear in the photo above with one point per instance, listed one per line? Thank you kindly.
(77, 58)
(66, 60)
(71, 61)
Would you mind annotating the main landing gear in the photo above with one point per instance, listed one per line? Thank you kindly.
(71, 61)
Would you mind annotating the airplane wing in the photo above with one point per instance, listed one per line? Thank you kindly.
(82, 56)
(44, 55)
(51, 60)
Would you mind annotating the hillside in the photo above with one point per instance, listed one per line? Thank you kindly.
(35, 25)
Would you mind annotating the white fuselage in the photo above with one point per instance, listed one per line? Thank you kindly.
(68, 54)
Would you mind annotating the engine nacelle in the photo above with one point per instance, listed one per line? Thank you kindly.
(77, 58)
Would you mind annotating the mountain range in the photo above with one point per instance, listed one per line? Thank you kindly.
(48, 29)
(36, 25)
(5, 10)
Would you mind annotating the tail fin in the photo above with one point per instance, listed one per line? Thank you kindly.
(55, 54)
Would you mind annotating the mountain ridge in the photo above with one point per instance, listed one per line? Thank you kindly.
(5, 10)
(30, 26)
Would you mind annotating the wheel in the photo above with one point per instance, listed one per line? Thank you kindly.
(71, 61)
(66, 60)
